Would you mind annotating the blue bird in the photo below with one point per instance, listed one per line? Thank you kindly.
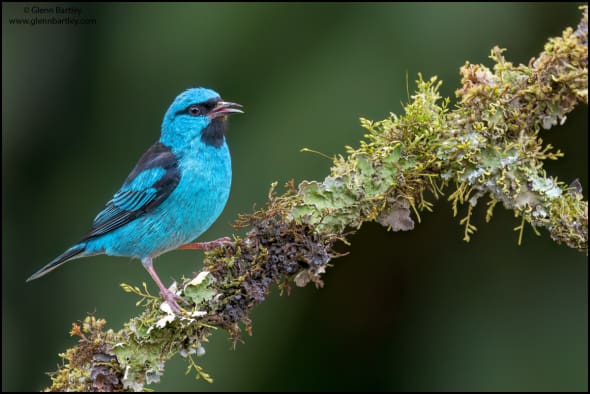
(174, 193)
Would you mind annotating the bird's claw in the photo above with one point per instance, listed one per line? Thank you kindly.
(221, 242)
(171, 299)
(206, 246)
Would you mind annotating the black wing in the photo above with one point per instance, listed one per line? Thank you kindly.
(152, 180)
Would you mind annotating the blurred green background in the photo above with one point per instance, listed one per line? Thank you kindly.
(404, 311)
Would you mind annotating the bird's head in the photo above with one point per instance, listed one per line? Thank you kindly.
(197, 114)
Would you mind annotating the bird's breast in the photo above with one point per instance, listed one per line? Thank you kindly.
(203, 191)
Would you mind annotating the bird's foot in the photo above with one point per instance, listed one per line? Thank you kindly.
(171, 299)
(207, 245)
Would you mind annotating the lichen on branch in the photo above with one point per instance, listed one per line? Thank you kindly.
(487, 146)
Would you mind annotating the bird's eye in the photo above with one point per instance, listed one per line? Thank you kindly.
(194, 110)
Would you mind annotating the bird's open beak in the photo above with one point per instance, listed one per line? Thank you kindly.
(224, 108)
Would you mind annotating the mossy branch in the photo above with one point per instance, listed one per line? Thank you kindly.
(487, 146)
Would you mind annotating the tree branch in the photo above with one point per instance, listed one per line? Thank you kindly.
(488, 146)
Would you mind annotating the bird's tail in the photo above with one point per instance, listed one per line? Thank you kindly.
(69, 254)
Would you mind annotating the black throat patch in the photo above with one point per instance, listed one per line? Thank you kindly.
(214, 133)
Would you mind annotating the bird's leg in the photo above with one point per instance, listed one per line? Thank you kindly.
(207, 245)
(169, 296)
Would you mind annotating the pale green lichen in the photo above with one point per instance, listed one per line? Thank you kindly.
(487, 146)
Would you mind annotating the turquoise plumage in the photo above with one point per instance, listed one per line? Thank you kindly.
(176, 191)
